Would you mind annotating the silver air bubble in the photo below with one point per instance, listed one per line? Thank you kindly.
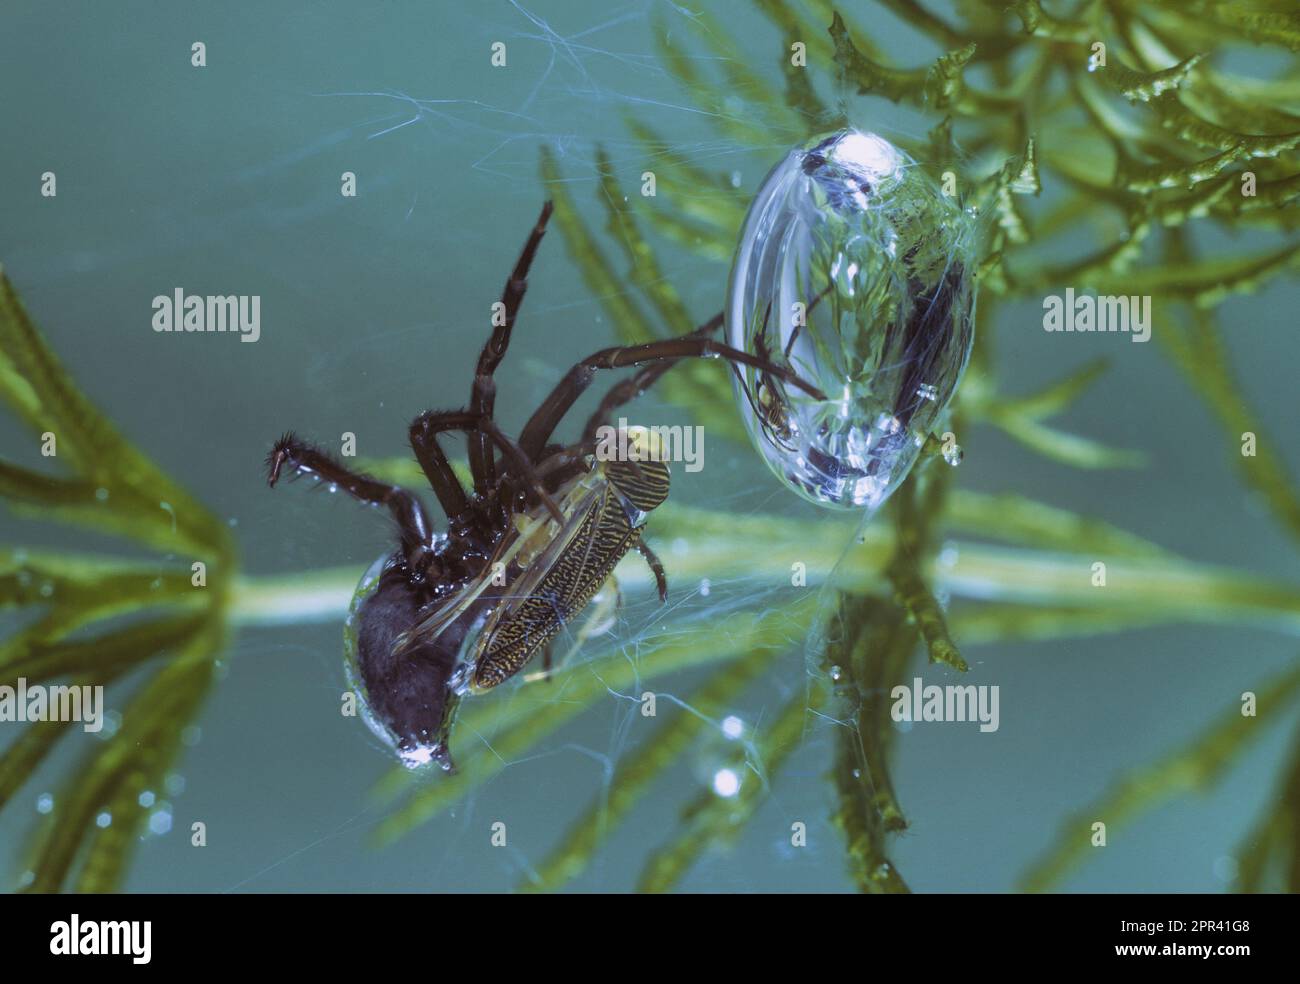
(856, 271)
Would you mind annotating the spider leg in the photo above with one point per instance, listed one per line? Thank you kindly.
(656, 567)
(632, 387)
(482, 463)
(432, 422)
(691, 346)
(301, 458)
(437, 469)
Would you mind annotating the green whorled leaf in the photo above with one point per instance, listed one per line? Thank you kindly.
(695, 385)
(1068, 449)
(1272, 844)
(996, 624)
(705, 243)
(110, 487)
(941, 148)
(597, 272)
(708, 199)
(108, 850)
(712, 820)
(35, 742)
(101, 456)
(1012, 518)
(147, 736)
(706, 94)
(645, 272)
(913, 540)
(1026, 180)
(1270, 196)
(1233, 100)
(1057, 396)
(1198, 350)
(1203, 283)
(1145, 86)
(943, 82)
(822, 43)
(801, 103)
(1041, 24)
(1205, 199)
(869, 653)
(638, 770)
(1139, 177)
(997, 43)
(868, 75)
(801, 96)
(939, 86)
(1278, 25)
(1196, 766)
(1191, 127)
(38, 660)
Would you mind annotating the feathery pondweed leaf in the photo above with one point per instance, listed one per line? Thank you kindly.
(94, 618)
(1193, 768)
(709, 820)
(642, 767)
(1146, 86)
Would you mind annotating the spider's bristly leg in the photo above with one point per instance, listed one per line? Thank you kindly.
(437, 469)
(433, 422)
(693, 346)
(300, 458)
(482, 464)
(656, 568)
(635, 385)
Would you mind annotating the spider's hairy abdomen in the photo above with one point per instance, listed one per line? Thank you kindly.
(405, 690)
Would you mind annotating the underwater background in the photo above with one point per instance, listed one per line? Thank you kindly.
(225, 180)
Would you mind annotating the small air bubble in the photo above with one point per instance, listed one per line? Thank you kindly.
(704, 588)
(44, 803)
(837, 673)
(160, 821)
(726, 783)
(105, 819)
(733, 727)
(101, 494)
(146, 798)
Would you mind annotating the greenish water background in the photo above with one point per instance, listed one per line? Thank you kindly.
(225, 180)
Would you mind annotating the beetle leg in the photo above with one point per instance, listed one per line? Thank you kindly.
(657, 568)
